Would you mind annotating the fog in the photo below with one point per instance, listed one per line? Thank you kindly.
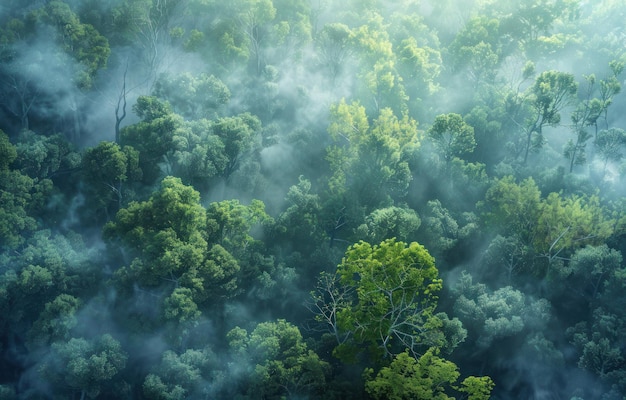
(204, 199)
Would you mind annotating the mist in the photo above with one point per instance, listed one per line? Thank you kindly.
(266, 199)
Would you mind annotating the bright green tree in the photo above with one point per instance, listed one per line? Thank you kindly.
(427, 377)
(382, 299)
(239, 134)
(389, 222)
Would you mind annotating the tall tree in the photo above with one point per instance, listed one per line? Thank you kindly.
(381, 300)
(541, 106)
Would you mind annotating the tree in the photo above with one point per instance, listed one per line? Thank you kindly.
(229, 223)
(146, 24)
(239, 135)
(591, 269)
(334, 48)
(217, 277)
(419, 58)
(300, 222)
(477, 49)
(379, 76)
(491, 315)
(610, 146)
(541, 106)
(279, 361)
(56, 321)
(164, 234)
(585, 115)
(442, 230)
(366, 155)
(506, 253)
(598, 345)
(382, 299)
(255, 18)
(84, 366)
(19, 195)
(452, 136)
(609, 88)
(180, 376)
(76, 51)
(82, 41)
(513, 208)
(428, 377)
(389, 222)
(105, 168)
(565, 224)
(45, 157)
(41, 285)
(193, 96)
(49, 41)
(153, 136)
(8, 152)
(14, 198)
(197, 154)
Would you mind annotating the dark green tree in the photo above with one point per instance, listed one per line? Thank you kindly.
(278, 361)
(84, 366)
(106, 168)
(180, 376)
(153, 136)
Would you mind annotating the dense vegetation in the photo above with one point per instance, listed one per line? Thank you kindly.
(266, 199)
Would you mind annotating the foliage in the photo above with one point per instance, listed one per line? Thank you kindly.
(452, 136)
(366, 155)
(85, 366)
(382, 299)
(179, 376)
(428, 377)
(193, 97)
(389, 222)
(278, 361)
(268, 139)
(494, 315)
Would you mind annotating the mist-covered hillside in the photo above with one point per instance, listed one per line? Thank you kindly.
(312, 199)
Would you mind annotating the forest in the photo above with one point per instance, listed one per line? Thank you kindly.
(312, 199)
